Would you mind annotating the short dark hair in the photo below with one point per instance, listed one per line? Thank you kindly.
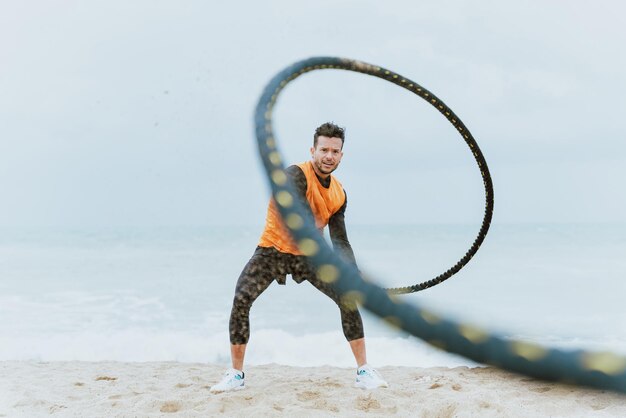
(330, 130)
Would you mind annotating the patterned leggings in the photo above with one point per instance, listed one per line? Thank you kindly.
(267, 265)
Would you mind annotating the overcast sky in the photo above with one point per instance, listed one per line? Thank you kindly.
(116, 113)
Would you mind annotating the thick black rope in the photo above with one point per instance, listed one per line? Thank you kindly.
(594, 369)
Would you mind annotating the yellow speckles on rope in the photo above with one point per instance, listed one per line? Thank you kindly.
(274, 158)
(353, 297)
(308, 247)
(411, 85)
(430, 317)
(294, 221)
(279, 177)
(393, 321)
(284, 198)
(327, 273)
(387, 72)
(473, 334)
(607, 363)
(529, 351)
(403, 81)
(433, 101)
(454, 121)
(270, 142)
(393, 297)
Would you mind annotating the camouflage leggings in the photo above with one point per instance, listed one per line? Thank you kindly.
(267, 265)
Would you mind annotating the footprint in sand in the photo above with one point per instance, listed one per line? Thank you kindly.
(170, 407)
(331, 384)
(367, 403)
(314, 400)
(308, 395)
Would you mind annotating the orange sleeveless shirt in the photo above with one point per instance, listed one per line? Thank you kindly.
(324, 203)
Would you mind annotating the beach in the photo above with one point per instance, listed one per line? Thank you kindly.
(151, 389)
(134, 323)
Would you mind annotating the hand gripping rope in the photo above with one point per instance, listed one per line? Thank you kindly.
(596, 369)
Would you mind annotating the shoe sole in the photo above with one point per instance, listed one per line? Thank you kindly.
(228, 390)
(361, 386)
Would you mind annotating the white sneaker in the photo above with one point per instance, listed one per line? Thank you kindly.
(368, 378)
(233, 380)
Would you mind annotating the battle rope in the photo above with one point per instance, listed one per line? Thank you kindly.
(324, 63)
(596, 369)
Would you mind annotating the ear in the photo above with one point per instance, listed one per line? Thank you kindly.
(312, 151)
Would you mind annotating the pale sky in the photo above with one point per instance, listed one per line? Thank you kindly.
(116, 113)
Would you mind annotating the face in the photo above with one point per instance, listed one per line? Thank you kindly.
(326, 155)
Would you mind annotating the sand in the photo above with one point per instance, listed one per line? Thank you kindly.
(114, 389)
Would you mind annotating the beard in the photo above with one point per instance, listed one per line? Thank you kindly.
(323, 169)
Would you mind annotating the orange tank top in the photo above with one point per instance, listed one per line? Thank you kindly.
(324, 203)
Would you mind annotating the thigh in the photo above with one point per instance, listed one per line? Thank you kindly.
(325, 288)
(329, 290)
(255, 277)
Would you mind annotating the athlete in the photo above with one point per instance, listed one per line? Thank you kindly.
(277, 255)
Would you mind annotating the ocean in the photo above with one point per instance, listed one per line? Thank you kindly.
(164, 294)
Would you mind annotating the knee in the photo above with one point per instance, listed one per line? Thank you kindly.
(348, 305)
(241, 303)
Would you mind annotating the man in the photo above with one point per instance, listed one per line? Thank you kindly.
(277, 255)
